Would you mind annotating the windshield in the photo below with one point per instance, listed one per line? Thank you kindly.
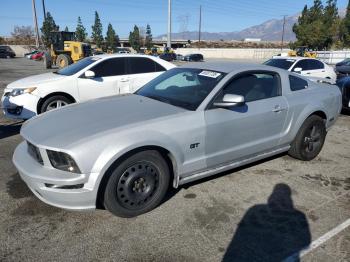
(76, 67)
(182, 87)
(280, 63)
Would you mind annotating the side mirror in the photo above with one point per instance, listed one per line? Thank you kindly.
(298, 70)
(230, 101)
(89, 74)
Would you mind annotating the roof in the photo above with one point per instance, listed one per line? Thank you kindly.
(228, 67)
(121, 55)
(296, 58)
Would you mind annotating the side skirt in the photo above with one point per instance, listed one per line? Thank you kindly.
(231, 165)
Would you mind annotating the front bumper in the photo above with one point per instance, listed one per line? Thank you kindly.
(40, 179)
(19, 107)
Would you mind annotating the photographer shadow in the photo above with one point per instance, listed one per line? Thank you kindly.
(270, 232)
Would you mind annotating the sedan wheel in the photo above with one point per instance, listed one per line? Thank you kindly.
(137, 185)
(310, 139)
(54, 102)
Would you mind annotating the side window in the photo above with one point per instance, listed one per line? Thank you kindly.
(314, 65)
(255, 86)
(110, 67)
(159, 68)
(297, 83)
(140, 65)
(303, 64)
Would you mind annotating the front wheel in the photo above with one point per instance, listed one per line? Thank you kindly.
(310, 139)
(137, 185)
(54, 102)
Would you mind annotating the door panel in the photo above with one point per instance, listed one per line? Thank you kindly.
(249, 129)
(141, 70)
(109, 80)
(245, 130)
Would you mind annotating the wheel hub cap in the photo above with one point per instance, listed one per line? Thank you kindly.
(137, 185)
(313, 139)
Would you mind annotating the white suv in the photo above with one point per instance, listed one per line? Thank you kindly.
(91, 77)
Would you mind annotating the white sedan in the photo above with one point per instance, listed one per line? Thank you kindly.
(308, 67)
(91, 77)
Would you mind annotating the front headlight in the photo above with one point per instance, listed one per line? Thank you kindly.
(63, 161)
(21, 91)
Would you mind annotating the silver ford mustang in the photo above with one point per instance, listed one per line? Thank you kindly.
(123, 152)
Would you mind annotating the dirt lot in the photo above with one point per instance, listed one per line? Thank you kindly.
(211, 220)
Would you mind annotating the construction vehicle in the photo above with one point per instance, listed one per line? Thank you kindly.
(302, 51)
(156, 50)
(65, 50)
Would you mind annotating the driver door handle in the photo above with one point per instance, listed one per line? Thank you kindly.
(278, 109)
(125, 79)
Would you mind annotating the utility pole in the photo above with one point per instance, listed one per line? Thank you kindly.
(44, 10)
(284, 24)
(35, 24)
(169, 25)
(200, 27)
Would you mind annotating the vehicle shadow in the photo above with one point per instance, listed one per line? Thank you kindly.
(270, 232)
(10, 129)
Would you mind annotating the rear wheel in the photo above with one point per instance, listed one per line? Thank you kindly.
(63, 60)
(309, 140)
(137, 185)
(54, 102)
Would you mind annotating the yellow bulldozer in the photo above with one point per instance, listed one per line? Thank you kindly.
(302, 51)
(64, 50)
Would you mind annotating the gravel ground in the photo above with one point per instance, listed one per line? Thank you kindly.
(205, 221)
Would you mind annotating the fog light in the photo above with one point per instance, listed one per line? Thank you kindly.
(15, 111)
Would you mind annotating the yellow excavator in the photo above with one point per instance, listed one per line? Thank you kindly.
(302, 51)
(65, 50)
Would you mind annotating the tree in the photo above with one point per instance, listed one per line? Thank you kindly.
(345, 28)
(309, 29)
(134, 39)
(80, 31)
(2, 40)
(97, 31)
(148, 37)
(49, 25)
(112, 38)
(331, 24)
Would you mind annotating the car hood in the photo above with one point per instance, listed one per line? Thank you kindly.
(32, 81)
(64, 127)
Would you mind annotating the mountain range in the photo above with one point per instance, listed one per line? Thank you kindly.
(270, 30)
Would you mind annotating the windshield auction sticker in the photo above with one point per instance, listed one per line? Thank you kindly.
(211, 74)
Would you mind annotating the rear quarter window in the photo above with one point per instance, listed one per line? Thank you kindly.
(296, 83)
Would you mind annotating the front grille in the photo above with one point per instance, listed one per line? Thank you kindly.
(35, 153)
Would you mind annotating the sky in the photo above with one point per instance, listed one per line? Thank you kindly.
(217, 16)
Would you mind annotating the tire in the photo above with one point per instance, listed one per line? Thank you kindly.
(63, 60)
(47, 60)
(309, 140)
(137, 185)
(49, 103)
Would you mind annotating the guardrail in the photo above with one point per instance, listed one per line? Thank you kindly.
(333, 57)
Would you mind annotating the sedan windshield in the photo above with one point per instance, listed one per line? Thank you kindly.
(76, 67)
(182, 87)
(280, 63)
